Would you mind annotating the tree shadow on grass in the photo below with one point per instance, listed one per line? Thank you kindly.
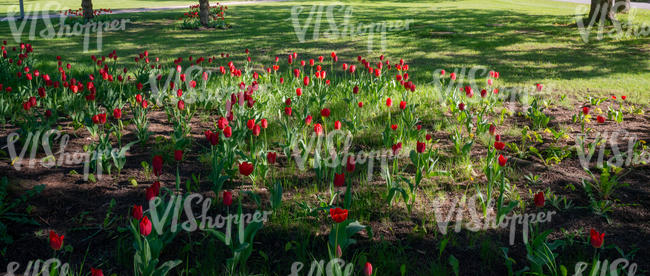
(520, 46)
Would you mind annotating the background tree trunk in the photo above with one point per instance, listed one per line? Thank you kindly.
(623, 6)
(602, 11)
(204, 12)
(87, 6)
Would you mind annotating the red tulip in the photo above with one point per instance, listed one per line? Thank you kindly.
(402, 105)
(245, 168)
(56, 241)
(298, 91)
(137, 212)
(339, 215)
(178, 155)
(264, 123)
(287, 110)
(250, 124)
(138, 98)
(428, 136)
(539, 199)
(117, 113)
(493, 129)
(102, 118)
(585, 110)
(350, 164)
(150, 193)
(325, 112)
(624, 97)
(227, 132)
(318, 129)
(596, 238)
(157, 164)
(339, 179)
(155, 187)
(367, 269)
(389, 102)
(337, 125)
(271, 157)
(256, 130)
(453, 76)
(308, 120)
(181, 105)
(396, 148)
(227, 198)
(600, 119)
(421, 147)
(96, 272)
(305, 81)
(145, 226)
(360, 104)
(393, 127)
(502, 161)
(222, 123)
(499, 145)
(461, 106)
(355, 90)
(469, 92)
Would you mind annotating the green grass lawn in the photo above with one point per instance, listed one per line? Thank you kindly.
(528, 42)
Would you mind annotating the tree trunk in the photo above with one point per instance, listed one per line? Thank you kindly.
(602, 11)
(87, 6)
(204, 12)
(623, 6)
